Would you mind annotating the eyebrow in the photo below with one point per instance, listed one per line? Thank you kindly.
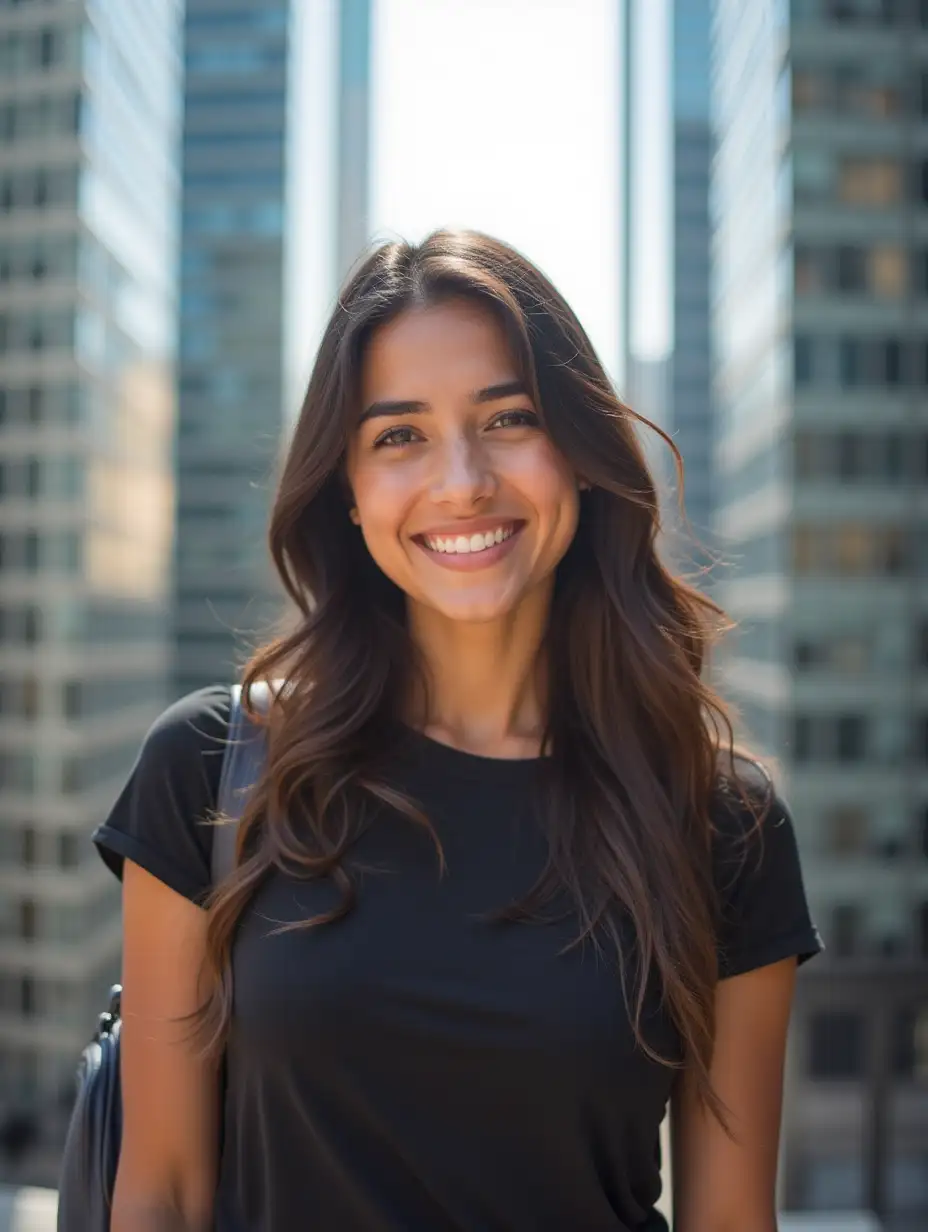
(492, 393)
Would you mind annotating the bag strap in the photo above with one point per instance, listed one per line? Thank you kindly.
(242, 764)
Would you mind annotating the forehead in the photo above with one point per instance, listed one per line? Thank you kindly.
(444, 345)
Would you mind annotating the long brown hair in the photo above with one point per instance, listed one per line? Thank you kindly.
(636, 734)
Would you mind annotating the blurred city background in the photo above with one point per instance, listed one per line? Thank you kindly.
(733, 194)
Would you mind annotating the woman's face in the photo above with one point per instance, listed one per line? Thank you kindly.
(462, 499)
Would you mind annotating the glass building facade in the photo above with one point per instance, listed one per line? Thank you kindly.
(673, 389)
(237, 64)
(689, 379)
(353, 148)
(88, 195)
(275, 210)
(820, 234)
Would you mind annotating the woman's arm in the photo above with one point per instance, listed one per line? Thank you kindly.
(167, 1168)
(720, 1185)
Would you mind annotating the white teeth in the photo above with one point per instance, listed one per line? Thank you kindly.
(468, 543)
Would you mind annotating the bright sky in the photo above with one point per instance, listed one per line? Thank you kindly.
(503, 115)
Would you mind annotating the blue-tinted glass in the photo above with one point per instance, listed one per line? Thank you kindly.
(691, 30)
(204, 94)
(238, 59)
(263, 177)
(270, 21)
(271, 140)
(355, 42)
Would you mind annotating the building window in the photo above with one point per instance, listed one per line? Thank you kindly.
(870, 182)
(853, 549)
(866, 92)
(910, 1043)
(810, 274)
(812, 89)
(849, 655)
(850, 737)
(71, 775)
(17, 771)
(836, 1043)
(846, 930)
(908, 1183)
(807, 656)
(863, 12)
(851, 268)
(892, 361)
(71, 698)
(893, 456)
(850, 362)
(69, 852)
(802, 360)
(894, 551)
(851, 455)
(47, 48)
(887, 271)
(802, 738)
(848, 830)
(832, 1183)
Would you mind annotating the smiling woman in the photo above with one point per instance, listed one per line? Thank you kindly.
(462, 478)
(500, 894)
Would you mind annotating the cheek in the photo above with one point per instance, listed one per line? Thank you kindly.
(548, 483)
(382, 496)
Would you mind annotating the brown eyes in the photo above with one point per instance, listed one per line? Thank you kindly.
(395, 436)
(402, 434)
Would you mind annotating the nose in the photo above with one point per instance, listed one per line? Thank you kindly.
(464, 476)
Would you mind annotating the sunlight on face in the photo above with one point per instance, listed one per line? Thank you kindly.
(462, 499)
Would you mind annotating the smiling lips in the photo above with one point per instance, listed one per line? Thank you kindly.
(482, 546)
(477, 542)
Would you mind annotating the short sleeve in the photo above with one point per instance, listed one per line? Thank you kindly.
(160, 820)
(763, 912)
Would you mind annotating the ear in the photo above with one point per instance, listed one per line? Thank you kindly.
(354, 515)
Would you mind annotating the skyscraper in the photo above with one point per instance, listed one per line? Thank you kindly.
(275, 201)
(353, 143)
(820, 190)
(88, 188)
(689, 402)
(675, 389)
(231, 412)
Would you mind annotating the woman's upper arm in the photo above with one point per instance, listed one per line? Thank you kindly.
(728, 1184)
(170, 1092)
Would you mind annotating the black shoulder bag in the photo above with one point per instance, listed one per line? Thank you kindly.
(91, 1152)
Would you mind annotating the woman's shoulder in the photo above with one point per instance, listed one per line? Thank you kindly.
(746, 798)
(161, 817)
(190, 727)
(749, 816)
(763, 911)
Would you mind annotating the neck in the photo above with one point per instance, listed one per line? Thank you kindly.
(486, 680)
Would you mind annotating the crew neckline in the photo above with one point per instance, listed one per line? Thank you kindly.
(461, 763)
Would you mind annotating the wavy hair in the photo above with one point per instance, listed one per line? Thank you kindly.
(636, 735)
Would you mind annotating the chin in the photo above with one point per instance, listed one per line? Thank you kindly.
(473, 611)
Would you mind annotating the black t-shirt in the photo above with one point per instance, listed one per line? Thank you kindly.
(415, 1066)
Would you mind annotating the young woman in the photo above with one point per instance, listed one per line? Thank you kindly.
(505, 890)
